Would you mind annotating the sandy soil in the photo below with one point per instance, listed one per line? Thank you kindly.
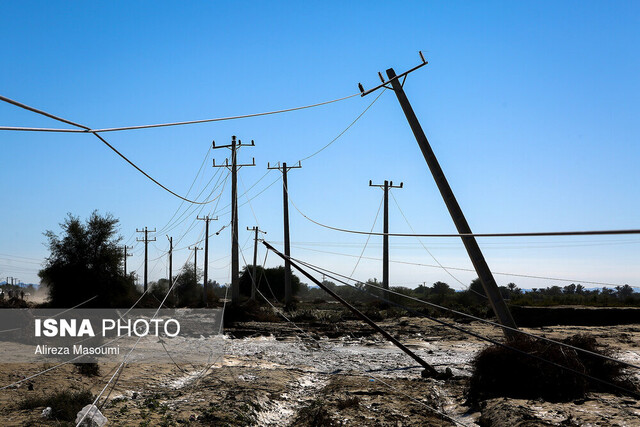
(340, 374)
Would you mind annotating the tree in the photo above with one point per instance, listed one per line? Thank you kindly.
(272, 278)
(85, 261)
(189, 293)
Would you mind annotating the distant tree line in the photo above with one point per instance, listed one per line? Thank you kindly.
(86, 260)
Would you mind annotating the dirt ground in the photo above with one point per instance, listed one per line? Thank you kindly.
(334, 374)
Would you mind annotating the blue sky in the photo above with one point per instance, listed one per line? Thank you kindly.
(531, 107)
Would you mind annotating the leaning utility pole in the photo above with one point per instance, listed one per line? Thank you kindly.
(195, 249)
(254, 277)
(234, 167)
(475, 254)
(287, 249)
(206, 220)
(125, 258)
(146, 244)
(385, 239)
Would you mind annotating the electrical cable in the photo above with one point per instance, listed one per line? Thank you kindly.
(95, 133)
(479, 319)
(345, 129)
(368, 237)
(528, 276)
(188, 122)
(460, 329)
(526, 234)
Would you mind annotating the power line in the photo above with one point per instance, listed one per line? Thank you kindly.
(528, 276)
(345, 129)
(95, 133)
(115, 129)
(526, 234)
(479, 336)
(440, 307)
(375, 220)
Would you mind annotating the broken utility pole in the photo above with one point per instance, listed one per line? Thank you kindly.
(475, 254)
(254, 278)
(206, 219)
(385, 239)
(287, 245)
(146, 257)
(429, 371)
(234, 167)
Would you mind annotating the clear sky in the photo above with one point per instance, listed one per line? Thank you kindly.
(531, 107)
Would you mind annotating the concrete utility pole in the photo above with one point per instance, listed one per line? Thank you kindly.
(206, 220)
(195, 249)
(475, 254)
(125, 258)
(254, 277)
(146, 257)
(385, 239)
(287, 249)
(234, 167)
(171, 263)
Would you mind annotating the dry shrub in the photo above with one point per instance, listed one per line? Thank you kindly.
(348, 402)
(502, 372)
(314, 415)
(249, 311)
(64, 404)
(88, 369)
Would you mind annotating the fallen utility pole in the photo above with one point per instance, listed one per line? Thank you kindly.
(430, 371)
(146, 257)
(385, 239)
(206, 219)
(254, 278)
(287, 246)
(475, 254)
(234, 167)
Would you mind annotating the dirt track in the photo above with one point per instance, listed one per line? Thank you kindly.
(271, 376)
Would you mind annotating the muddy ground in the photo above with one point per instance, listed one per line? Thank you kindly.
(336, 373)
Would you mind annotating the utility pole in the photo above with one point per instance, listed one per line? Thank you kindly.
(254, 277)
(171, 263)
(385, 239)
(195, 249)
(475, 254)
(234, 167)
(125, 258)
(287, 249)
(146, 252)
(206, 220)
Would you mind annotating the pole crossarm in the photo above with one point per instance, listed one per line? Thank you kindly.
(280, 167)
(371, 184)
(385, 83)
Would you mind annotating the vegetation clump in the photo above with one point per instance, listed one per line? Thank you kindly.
(88, 369)
(64, 404)
(542, 370)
